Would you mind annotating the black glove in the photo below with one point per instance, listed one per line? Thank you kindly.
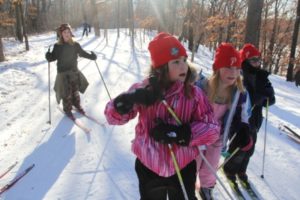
(168, 133)
(48, 56)
(148, 95)
(144, 96)
(123, 103)
(242, 139)
(93, 56)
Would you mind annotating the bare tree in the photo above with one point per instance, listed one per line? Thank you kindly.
(23, 25)
(62, 10)
(95, 19)
(253, 22)
(172, 16)
(18, 13)
(131, 21)
(6, 21)
(2, 57)
(118, 17)
(268, 58)
(289, 75)
(231, 20)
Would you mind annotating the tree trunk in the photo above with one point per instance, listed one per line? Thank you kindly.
(264, 37)
(44, 6)
(253, 22)
(289, 75)
(2, 57)
(231, 23)
(131, 21)
(118, 18)
(269, 58)
(83, 10)
(19, 34)
(185, 32)
(172, 16)
(62, 11)
(24, 27)
(276, 68)
(95, 19)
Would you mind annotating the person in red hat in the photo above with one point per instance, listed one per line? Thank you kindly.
(260, 90)
(156, 129)
(69, 80)
(231, 104)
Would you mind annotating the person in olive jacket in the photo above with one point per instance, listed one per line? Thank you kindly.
(260, 90)
(69, 80)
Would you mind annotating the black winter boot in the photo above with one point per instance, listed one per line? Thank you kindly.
(243, 178)
(76, 102)
(70, 115)
(206, 193)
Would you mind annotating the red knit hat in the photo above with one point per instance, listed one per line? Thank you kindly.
(163, 48)
(249, 51)
(226, 56)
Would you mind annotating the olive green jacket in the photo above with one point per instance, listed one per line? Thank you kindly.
(63, 81)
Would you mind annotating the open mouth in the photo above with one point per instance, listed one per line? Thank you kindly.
(182, 74)
(231, 78)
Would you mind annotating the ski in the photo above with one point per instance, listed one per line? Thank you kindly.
(8, 169)
(250, 190)
(80, 125)
(16, 179)
(288, 133)
(91, 118)
(289, 129)
(235, 188)
(77, 122)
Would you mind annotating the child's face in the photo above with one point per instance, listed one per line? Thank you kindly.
(178, 69)
(66, 34)
(255, 62)
(229, 75)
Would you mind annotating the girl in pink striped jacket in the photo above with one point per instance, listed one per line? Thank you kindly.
(156, 128)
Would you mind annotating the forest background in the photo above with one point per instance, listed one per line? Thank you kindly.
(271, 25)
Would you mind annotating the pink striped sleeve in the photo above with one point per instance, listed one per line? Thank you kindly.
(205, 129)
(114, 118)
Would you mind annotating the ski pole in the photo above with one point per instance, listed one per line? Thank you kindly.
(172, 152)
(229, 157)
(226, 154)
(49, 91)
(265, 139)
(213, 171)
(102, 80)
(230, 118)
(201, 154)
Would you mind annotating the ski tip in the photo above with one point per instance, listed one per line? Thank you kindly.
(262, 176)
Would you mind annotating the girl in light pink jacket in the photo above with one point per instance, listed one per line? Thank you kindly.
(156, 128)
(232, 108)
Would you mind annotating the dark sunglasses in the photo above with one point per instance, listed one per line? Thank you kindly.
(255, 60)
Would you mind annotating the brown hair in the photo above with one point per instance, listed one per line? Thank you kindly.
(59, 31)
(194, 75)
(61, 40)
(213, 84)
(161, 73)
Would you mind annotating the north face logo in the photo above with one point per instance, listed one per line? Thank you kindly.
(174, 51)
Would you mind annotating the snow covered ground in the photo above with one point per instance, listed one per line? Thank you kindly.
(70, 164)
